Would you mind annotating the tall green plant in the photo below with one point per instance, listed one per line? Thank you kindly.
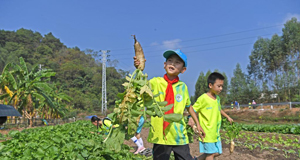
(238, 86)
(137, 100)
(30, 88)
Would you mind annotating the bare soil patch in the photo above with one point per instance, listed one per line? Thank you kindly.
(270, 116)
(240, 152)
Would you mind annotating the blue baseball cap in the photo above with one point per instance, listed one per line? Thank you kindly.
(168, 53)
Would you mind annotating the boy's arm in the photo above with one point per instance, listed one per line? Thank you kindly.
(194, 116)
(191, 121)
(225, 115)
(115, 126)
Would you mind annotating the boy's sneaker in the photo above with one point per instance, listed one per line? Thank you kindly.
(141, 149)
(147, 152)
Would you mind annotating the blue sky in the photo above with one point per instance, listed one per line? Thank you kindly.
(213, 34)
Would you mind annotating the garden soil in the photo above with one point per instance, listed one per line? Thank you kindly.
(238, 154)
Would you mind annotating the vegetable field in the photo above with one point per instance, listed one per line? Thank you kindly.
(69, 141)
(75, 141)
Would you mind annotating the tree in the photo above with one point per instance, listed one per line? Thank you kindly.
(52, 42)
(79, 74)
(7, 82)
(200, 86)
(291, 39)
(29, 88)
(58, 97)
(224, 93)
(238, 86)
(275, 63)
(256, 68)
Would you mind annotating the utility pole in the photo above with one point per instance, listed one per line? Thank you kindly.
(104, 101)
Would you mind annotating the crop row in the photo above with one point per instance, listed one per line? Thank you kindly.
(285, 129)
(282, 144)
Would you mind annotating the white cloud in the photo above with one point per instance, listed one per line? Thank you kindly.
(154, 44)
(171, 44)
(167, 44)
(289, 16)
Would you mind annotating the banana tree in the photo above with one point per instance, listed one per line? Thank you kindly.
(7, 83)
(29, 88)
(58, 97)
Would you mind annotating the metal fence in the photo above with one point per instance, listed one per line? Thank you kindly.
(264, 105)
(20, 122)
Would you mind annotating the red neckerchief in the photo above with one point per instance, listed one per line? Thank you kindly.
(169, 98)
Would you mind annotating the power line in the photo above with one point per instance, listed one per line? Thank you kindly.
(121, 62)
(199, 50)
(204, 49)
(195, 51)
(220, 47)
(205, 44)
(209, 36)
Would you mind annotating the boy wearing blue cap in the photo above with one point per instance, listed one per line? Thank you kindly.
(167, 137)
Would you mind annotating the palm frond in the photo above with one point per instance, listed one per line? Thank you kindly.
(43, 86)
(6, 68)
(47, 98)
(5, 95)
(10, 79)
(23, 65)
